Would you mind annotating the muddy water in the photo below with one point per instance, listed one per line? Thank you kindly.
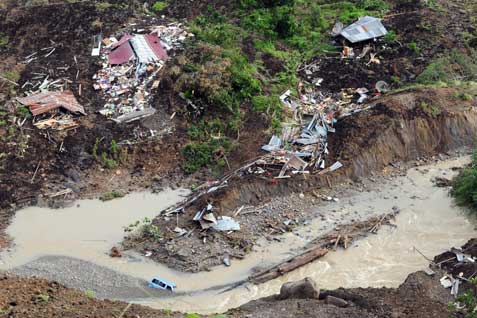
(428, 221)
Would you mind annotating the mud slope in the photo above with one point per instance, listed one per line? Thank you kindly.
(401, 127)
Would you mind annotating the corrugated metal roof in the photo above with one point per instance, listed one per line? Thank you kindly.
(44, 102)
(143, 50)
(365, 28)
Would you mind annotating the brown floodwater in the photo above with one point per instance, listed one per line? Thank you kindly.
(428, 221)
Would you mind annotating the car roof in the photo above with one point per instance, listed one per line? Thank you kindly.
(165, 281)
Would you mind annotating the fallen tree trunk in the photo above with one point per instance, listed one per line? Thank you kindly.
(320, 247)
(290, 265)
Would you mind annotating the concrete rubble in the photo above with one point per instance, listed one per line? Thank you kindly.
(130, 70)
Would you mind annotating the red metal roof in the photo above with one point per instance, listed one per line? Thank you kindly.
(45, 102)
(121, 54)
(124, 39)
(156, 46)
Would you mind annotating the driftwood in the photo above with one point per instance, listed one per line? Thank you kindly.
(288, 266)
(343, 236)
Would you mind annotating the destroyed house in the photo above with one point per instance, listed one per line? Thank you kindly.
(366, 28)
(143, 48)
(49, 101)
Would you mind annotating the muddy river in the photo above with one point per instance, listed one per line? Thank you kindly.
(428, 221)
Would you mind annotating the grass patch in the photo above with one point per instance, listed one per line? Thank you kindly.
(454, 67)
(159, 6)
(89, 293)
(108, 196)
(431, 110)
(111, 157)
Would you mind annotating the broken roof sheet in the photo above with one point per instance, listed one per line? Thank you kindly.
(47, 101)
(365, 28)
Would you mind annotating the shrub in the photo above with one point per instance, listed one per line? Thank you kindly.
(159, 6)
(4, 40)
(413, 47)
(111, 195)
(464, 187)
(390, 37)
(467, 303)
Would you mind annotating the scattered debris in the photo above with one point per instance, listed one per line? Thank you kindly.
(130, 70)
(442, 182)
(227, 261)
(226, 223)
(180, 231)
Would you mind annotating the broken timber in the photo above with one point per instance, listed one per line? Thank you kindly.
(345, 235)
(288, 266)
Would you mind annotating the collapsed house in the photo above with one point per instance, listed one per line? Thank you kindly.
(49, 104)
(130, 69)
(366, 28)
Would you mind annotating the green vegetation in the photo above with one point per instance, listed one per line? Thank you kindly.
(43, 298)
(111, 195)
(224, 73)
(145, 229)
(111, 158)
(209, 145)
(413, 47)
(464, 188)
(89, 293)
(468, 301)
(23, 112)
(390, 37)
(431, 110)
(4, 40)
(463, 96)
(455, 66)
(159, 6)
(101, 6)
(191, 315)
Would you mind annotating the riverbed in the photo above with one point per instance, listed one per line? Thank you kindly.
(71, 245)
